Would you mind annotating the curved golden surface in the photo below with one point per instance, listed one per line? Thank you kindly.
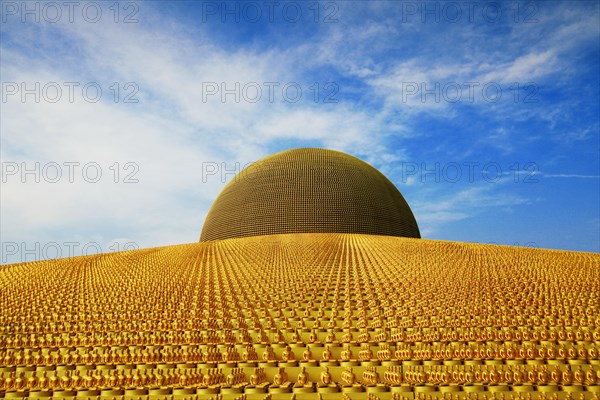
(309, 191)
(363, 316)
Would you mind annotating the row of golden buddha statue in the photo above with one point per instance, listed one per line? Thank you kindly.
(508, 396)
(55, 313)
(563, 327)
(440, 375)
(500, 374)
(363, 351)
(259, 334)
(583, 328)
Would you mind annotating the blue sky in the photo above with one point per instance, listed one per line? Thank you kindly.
(485, 115)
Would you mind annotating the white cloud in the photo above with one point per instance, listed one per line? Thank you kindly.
(432, 211)
(526, 68)
(571, 176)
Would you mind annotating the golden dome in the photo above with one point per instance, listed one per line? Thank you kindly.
(309, 190)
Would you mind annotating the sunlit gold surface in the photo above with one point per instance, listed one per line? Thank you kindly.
(365, 316)
(309, 191)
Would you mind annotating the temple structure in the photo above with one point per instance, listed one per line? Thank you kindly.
(309, 191)
(310, 281)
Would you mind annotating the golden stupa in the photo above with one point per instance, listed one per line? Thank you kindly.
(309, 191)
(308, 292)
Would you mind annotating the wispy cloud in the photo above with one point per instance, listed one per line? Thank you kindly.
(436, 210)
(571, 176)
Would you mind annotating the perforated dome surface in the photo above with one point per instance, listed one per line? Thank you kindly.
(309, 191)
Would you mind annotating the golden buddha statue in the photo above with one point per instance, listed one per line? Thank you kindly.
(296, 337)
(278, 337)
(9, 381)
(592, 353)
(280, 377)
(32, 381)
(494, 376)
(20, 382)
(555, 375)
(348, 377)
(254, 378)
(365, 353)
(543, 375)
(98, 379)
(42, 382)
(325, 377)
(326, 356)
(268, 354)
(346, 353)
(579, 376)
(307, 354)
(532, 375)
(230, 380)
(65, 380)
(571, 352)
(347, 336)
(469, 376)
(288, 354)
(567, 376)
(518, 376)
(591, 378)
